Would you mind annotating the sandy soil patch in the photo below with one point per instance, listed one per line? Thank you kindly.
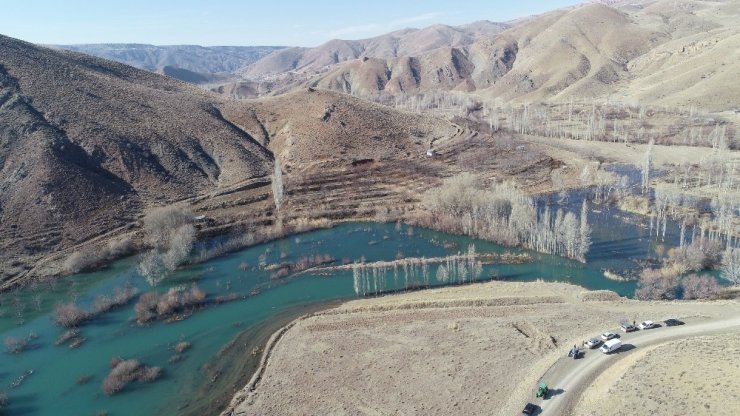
(477, 349)
(694, 376)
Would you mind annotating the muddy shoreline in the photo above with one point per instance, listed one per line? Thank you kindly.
(237, 362)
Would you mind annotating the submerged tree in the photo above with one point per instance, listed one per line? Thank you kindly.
(647, 163)
(731, 265)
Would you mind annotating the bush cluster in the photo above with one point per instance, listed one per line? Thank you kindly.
(124, 372)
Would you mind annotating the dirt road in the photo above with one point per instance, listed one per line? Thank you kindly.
(569, 378)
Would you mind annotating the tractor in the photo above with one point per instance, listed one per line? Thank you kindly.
(542, 390)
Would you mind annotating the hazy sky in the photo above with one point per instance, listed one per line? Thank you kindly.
(247, 22)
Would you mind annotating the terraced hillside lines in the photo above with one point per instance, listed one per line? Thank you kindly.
(88, 144)
(360, 191)
(97, 143)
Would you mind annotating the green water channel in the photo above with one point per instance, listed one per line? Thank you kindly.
(187, 386)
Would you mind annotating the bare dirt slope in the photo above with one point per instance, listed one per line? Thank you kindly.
(477, 349)
(87, 145)
(406, 42)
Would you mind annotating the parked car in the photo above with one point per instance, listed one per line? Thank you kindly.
(529, 409)
(611, 346)
(648, 325)
(628, 327)
(606, 336)
(592, 343)
(672, 322)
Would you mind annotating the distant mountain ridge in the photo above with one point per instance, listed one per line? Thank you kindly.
(405, 42)
(193, 58)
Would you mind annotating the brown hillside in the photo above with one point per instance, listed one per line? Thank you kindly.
(87, 145)
(664, 52)
(402, 43)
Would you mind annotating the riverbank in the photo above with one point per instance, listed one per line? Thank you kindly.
(464, 350)
(239, 360)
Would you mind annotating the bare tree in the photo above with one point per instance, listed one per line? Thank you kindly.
(585, 233)
(152, 268)
(181, 243)
(731, 265)
(277, 185)
(647, 163)
(699, 287)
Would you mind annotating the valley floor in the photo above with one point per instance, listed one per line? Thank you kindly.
(482, 349)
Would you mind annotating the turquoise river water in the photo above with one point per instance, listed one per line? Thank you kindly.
(619, 243)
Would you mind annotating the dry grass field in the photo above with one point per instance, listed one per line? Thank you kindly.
(696, 376)
(477, 349)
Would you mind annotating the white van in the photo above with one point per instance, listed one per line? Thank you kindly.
(611, 346)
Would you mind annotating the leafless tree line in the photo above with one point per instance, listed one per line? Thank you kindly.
(370, 278)
(606, 121)
(504, 214)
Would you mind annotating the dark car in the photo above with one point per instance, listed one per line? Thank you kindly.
(672, 322)
(529, 409)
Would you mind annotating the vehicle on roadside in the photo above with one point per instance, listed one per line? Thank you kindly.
(529, 409)
(592, 343)
(542, 390)
(575, 353)
(672, 322)
(628, 327)
(647, 325)
(611, 346)
(606, 336)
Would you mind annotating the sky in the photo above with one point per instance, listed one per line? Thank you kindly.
(246, 22)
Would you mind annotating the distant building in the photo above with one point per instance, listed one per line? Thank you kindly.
(431, 153)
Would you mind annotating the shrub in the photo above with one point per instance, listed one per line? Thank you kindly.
(149, 374)
(120, 297)
(84, 379)
(15, 345)
(146, 307)
(79, 261)
(124, 372)
(182, 346)
(151, 306)
(66, 336)
(700, 255)
(90, 257)
(700, 287)
(69, 315)
(197, 296)
(656, 284)
(159, 223)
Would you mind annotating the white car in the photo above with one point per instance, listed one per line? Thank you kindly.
(592, 343)
(647, 325)
(611, 346)
(606, 336)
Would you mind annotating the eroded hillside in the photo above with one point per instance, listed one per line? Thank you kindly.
(88, 145)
